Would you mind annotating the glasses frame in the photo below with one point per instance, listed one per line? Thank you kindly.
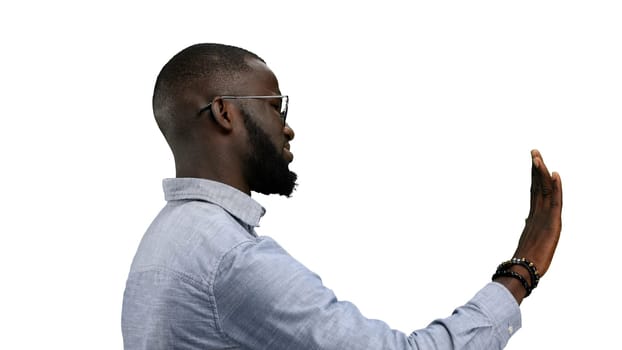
(284, 100)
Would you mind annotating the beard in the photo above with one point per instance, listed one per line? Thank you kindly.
(265, 168)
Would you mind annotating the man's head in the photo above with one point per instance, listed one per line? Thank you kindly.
(241, 142)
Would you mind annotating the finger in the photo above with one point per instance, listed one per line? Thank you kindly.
(535, 153)
(536, 182)
(539, 162)
(545, 180)
(557, 198)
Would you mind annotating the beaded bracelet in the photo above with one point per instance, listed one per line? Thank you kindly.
(503, 271)
(518, 276)
(533, 271)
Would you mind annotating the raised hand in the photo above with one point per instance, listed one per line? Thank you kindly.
(542, 229)
(544, 223)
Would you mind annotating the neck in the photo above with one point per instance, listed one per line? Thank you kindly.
(201, 171)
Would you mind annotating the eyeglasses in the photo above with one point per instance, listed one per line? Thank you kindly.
(282, 106)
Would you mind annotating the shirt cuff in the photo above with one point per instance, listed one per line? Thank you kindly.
(500, 305)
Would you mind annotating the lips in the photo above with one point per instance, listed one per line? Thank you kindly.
(288, 154)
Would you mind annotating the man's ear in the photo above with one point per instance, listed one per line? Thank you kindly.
(221, 113)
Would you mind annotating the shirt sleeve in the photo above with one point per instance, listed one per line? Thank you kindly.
(265, 299)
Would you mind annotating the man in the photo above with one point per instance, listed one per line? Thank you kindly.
(202, 278)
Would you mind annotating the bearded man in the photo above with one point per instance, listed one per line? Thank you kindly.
(203, 279)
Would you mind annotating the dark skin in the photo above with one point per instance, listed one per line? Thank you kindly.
(215, 147)
(218, 146)
(543, 225)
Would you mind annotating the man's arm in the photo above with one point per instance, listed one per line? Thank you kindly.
(267, 300)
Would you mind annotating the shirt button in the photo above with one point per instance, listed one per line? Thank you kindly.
(511, 329)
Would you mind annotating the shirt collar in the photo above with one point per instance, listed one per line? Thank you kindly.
(235, 202)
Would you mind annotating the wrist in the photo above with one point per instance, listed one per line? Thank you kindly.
(513, 285)
(519, 275)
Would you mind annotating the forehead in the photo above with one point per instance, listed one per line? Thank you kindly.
(259, 81)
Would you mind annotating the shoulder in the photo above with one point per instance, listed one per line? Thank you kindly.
(190, 237)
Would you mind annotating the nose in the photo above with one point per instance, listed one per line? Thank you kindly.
(289, 132)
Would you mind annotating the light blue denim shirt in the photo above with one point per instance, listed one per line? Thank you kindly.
(202, 279)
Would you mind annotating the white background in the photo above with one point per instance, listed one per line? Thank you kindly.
(413, 131)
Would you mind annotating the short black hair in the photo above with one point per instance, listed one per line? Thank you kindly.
(216, 65)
